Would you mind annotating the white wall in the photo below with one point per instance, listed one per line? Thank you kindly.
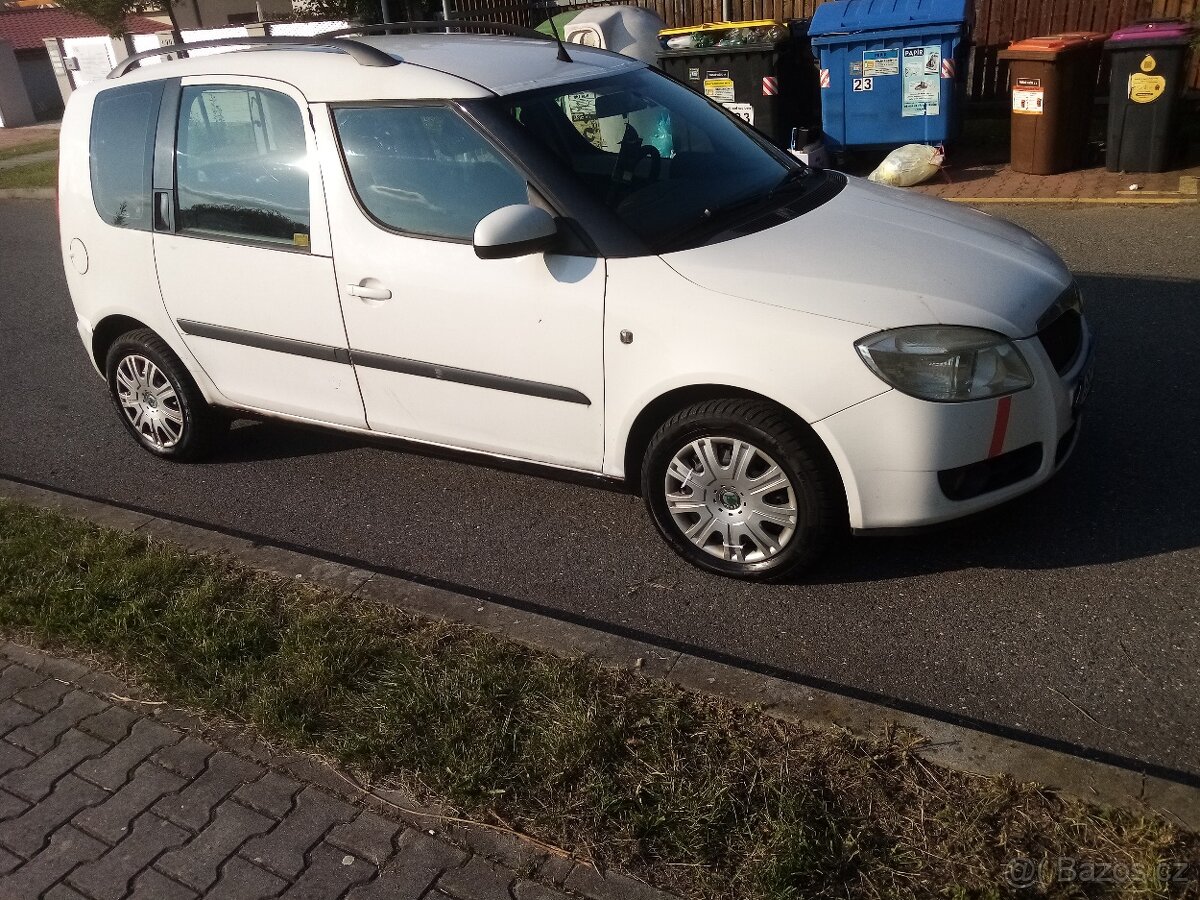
(93, 58)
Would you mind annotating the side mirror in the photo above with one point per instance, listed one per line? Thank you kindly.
(517, 230)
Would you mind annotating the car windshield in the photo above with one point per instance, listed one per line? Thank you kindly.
(671, 165)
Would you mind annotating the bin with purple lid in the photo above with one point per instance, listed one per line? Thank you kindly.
(1148, 65)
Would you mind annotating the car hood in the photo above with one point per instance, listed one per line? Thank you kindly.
(884, 258)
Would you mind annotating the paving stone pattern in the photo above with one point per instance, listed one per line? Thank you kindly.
(99, 801)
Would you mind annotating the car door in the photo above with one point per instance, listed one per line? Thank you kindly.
(242, 248)
(502, 356)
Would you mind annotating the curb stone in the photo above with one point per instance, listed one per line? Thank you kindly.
(949, 745)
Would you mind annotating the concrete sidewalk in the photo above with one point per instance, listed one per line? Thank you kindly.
(104, 797)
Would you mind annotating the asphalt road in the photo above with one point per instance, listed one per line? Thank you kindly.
(1069, 617)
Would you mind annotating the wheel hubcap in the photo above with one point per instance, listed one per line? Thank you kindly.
(149, 402)
(731, 499)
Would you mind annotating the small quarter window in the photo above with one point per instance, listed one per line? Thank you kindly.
(242, 165)
(422, 169)
(122, 152)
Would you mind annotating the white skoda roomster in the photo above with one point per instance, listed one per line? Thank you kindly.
(566, 258)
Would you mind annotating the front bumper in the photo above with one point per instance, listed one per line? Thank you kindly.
(906, 462)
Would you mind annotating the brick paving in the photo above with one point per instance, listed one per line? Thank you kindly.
(994, 180)
(101, 801)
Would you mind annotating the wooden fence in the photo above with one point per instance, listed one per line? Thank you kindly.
(997, 22)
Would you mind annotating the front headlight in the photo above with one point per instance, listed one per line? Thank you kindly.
(946, 363)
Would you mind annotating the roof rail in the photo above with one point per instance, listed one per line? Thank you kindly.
(363, 54)
(439, 25)
(446, 25)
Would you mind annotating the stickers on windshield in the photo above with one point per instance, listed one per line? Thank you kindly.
(718, 86)
(922, 81)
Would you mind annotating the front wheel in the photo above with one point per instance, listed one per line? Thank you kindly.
(159, 403)
(736, 488)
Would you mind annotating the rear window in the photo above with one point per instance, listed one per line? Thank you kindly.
(124, 120)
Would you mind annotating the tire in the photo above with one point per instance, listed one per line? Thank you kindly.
(740, 525)
(158, 401)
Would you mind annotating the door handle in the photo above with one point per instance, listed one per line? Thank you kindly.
(369, 291)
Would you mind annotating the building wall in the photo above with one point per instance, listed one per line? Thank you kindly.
(15, 110)
(40, 83)
(216, 13)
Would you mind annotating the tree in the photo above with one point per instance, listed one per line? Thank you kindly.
(111, 14)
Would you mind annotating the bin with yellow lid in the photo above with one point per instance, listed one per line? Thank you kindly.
(762, 71)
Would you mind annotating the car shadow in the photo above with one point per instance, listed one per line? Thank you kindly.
(253, 440)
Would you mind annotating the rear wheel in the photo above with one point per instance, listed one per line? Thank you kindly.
(735, 488)
(158, 401)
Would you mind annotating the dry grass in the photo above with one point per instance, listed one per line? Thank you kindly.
(705, 798)
(35, 175)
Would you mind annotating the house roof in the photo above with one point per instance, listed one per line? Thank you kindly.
(25, 28)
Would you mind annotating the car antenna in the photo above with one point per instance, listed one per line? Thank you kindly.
(563, 56)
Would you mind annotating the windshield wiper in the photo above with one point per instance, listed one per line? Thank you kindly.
(713, 215)
(792, 176)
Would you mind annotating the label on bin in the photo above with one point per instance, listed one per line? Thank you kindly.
(1149, 64)
(694, 74)
(719, 89)
(878, 63)
(1146, 88)
(922, 81)
(743, 111)
(1029, 101)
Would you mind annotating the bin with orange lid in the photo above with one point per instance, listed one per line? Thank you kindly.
(1045, 77)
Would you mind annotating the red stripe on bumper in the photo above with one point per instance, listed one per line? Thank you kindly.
(1000, 430)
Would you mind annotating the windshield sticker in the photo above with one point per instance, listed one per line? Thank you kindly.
(877, 63)
(719, 90)
(922, 83)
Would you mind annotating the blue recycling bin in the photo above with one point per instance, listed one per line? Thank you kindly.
(892, 71)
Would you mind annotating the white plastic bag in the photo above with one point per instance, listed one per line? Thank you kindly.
(909, 165)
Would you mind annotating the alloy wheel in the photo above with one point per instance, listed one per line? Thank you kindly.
(150, 402)
(731, 499)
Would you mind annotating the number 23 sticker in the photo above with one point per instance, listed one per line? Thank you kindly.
(864, 84)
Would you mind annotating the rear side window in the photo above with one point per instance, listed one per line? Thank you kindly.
(423, 170)
(122, 152)
(242, 165)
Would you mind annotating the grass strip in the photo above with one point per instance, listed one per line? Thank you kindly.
(35, 175)
(28, 149)
(701, 797)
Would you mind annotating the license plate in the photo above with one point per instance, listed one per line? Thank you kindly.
(1083, 388)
